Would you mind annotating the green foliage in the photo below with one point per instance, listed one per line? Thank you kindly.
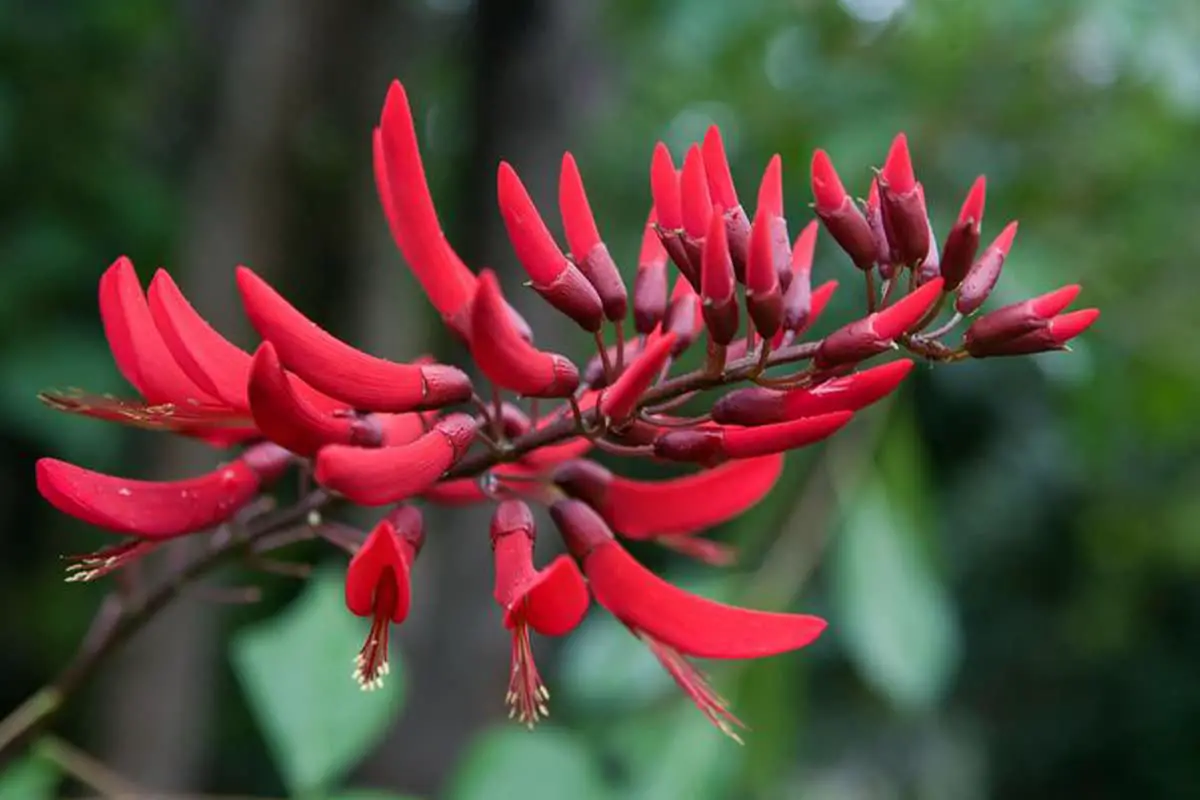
(296, 671)
(546, 764)
(32, 778)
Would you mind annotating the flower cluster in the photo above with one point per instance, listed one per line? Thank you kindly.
(380, 433)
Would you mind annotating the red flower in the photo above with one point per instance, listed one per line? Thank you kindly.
(984, 273)
(718, 295)
(590, 253)
(716, 444)
(377, 586)
(378, 476)
(841, 217)
(963, 239)
(902, 204)
(876, 333)
(153, 511)
(674, 623)
(551, 601)
(618, 401)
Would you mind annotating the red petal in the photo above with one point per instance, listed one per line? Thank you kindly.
(383, 549)
(138, 347)
(531, 239)
(693, 186)
(578, 221)
(716, 167)
(664, 187)
(288, 419)
(750, 442)
(507, 359)
(376, 477)
(455, 493)
(646, 510)
(717, 284)
(149, 509)
(208, 358)
(557, 599)
(1067, 326)
(826, 185)
(689, 623)
(907, 311)
(770, 191)
(360, 379)
(619, 400)
(408, 206)
(972, 207)
(898, 169)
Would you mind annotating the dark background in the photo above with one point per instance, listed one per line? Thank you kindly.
(1011, 561)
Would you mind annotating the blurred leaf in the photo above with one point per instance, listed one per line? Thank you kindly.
(370, 794)
(546, 764)
(893, 614)
(68, 357)
(606, 670)
(32, 778)
(676, 752)
(296, 671)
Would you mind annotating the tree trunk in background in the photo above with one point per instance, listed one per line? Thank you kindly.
(160, 688)
(526, 80)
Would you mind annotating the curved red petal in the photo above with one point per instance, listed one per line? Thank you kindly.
(826, 185)
(288, 419)
(148, 509)
(646, 510)
(907, 311)
(898, 169)
(716, 167)
(408, 206)
(689, 623)
(619, 400)
(507, 359)
(750, 442)
(381, 550)
(531, 239)
(334, 367)
(664, 188)
(578, 220)
(696, 204)
(556, 601)
(378, 476)
(135, 340)
(770, 191)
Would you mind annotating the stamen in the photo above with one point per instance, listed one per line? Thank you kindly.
(90, 566)
(527, 695)
(695, 685)
(371, 663)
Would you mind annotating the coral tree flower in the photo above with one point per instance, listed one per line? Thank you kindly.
(551, 601)
(377, 586)
(153, 511)
(674, 623)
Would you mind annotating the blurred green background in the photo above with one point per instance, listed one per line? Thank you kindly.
(1008, 553)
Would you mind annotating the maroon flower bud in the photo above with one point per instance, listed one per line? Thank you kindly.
(590, 253)
(1054, 336)
(876, 333)
(874, 216)
(650, 284)
(683, 317)
(770, 201)
(982, 277)
(668, 206)
(841, 217)
(903, 206)
(963, 240)
(1016, 320)
(798, 299)
(717, 289)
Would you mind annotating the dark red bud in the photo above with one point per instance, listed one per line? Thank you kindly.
(963, 240)
(982, 276)
(902, 204)
(582, 528)
(764, 300)
(841, 217)
(717, 289)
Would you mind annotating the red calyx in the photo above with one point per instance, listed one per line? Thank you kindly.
(412, 219)
(376, 477)
(359, 379)
(985, 272)
(903, 206)
(841, 217)
(508, 360)
(764, 299)
(589, 252)
(718, 292)
(963, 240)
(551, 275)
